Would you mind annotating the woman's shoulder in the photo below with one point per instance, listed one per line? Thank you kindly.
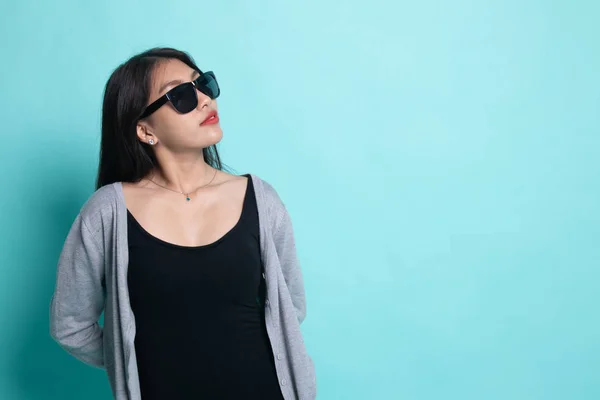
(265, 191)
(269, 200)
(103, 202)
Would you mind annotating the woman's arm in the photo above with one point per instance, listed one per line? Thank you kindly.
(285, 245)
(78, 298)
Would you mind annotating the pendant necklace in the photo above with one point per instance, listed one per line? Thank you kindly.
(187, 195)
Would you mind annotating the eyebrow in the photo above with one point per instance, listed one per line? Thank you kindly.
(177, 81)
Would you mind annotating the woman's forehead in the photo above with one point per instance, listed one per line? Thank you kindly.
(170, 73)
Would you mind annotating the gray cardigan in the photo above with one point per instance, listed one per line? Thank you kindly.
(92, 277)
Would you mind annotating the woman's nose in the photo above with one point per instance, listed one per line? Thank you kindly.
(203, 100)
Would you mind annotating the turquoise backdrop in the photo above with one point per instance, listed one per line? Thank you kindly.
(440, 160)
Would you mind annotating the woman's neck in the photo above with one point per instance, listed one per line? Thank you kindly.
(183, 177)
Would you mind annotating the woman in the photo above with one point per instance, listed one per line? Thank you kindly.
(195, 268)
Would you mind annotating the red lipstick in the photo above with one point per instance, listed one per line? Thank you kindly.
(211, 118)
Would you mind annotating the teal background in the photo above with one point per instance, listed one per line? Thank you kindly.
(439, 160)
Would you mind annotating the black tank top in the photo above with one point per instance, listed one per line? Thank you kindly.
(200, 327)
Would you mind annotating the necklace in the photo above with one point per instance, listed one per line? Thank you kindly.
(187, 195)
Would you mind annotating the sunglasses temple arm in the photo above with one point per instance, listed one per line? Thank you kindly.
(154, 106)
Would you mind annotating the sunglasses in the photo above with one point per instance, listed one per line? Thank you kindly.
(184, 97)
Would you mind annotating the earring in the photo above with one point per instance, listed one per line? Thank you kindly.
(151, 141)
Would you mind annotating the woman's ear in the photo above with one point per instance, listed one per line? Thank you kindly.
(144, 133)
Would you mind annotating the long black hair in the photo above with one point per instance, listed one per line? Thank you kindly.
(123, 158)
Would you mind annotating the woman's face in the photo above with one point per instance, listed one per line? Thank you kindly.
(170, 129)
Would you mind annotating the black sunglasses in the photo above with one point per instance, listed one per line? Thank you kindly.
(184, 98)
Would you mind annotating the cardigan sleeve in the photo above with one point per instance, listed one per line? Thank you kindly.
(285, 244)
(79, 294)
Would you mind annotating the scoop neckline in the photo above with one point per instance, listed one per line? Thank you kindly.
(199, 247)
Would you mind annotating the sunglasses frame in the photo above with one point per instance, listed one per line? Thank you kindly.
(162, 100)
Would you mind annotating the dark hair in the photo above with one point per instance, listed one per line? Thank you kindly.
(123, 158)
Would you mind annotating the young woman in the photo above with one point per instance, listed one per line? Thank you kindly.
(194, 268)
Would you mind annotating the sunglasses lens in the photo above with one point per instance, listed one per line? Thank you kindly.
(207, 84)
(184, 98)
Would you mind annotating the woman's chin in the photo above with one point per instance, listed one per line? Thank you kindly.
(212, 138)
